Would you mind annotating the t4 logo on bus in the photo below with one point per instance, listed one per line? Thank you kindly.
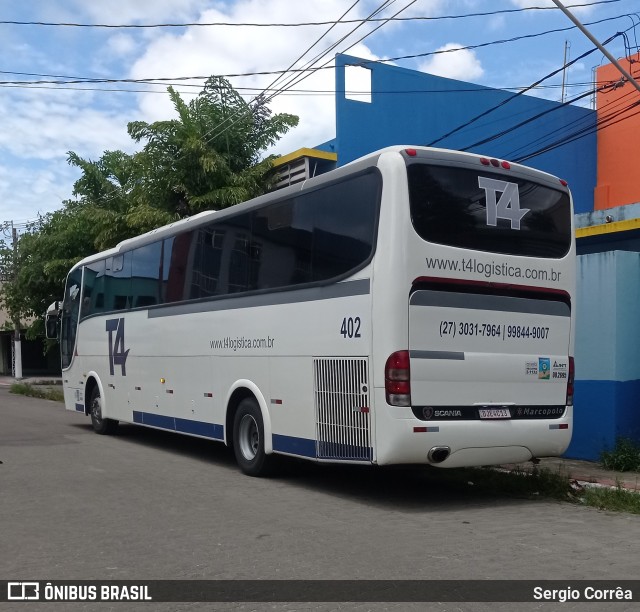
(507, 206)
(117, 353)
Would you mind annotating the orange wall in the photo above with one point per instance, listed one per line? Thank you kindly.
(618, 180)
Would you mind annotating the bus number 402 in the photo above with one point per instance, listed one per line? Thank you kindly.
(350, 327)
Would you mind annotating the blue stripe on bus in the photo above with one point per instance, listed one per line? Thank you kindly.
(197, 428)
(302, 447)
(79, 407)
(200, 428)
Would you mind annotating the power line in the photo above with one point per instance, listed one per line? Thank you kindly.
(611, 107)
(302, 92)
(73, 80)
(581, 134)
(299, 24)
(479, 116)
(296, 78)
(615, 112)
(259, 99)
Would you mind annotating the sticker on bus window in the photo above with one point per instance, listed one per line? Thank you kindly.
(507, 206)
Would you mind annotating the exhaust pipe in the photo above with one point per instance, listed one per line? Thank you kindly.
(438, 454)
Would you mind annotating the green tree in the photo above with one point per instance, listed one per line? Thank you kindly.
(209, 157)
(35, 268)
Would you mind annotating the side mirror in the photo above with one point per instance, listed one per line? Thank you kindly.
(52, 321)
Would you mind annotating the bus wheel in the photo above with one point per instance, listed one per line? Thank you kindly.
(100, 425)
(248, 439)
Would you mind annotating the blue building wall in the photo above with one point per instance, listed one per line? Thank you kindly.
(607, 393)
(410, 107)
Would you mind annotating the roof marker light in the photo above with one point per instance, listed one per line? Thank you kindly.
(411, 152)
(506, 165)
(484, 161)
(564, 183)
(495, 163)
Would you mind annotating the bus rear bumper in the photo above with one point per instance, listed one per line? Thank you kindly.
(403, 439)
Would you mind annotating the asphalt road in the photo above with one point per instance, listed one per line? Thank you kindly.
(145, 505)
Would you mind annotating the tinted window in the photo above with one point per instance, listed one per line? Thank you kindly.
(93, 288)
(313, 237)
(449, 206)
(316, 236)
(345, 216)
(219, 258)
(207, 259)
(146, 288)
(118, 282)
(70, 314)
(240, 253)
(177, 264)
(282, 239)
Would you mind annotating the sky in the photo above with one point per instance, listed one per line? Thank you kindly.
(44, 116)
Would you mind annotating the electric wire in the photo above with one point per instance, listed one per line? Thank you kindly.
(306, 72)
(494, 108)
(609, 107)
(292, 82)
(300, 24)
(71, 80)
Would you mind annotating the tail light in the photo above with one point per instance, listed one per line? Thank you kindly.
(570, 379)
(397, 379)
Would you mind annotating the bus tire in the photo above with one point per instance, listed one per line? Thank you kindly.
(248, 439)
(100, 426)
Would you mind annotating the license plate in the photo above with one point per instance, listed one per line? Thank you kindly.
(494, 413)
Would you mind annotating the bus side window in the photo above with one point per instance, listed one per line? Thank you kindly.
(344, 225)
(146, 287)
(118, 282)
(207, 259)
(93, 288)
(283, 233)
(175, 259)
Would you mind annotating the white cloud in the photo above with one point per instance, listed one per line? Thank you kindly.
(40, 126)
(139, 11)
(46, 126)
(43, 189)
(121, 45)
(206, 51)
(454, 63)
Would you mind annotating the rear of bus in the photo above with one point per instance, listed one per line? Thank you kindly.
(474, 286)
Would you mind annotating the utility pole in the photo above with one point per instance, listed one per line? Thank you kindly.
(588, 34)
(17, 344)
(567, 47)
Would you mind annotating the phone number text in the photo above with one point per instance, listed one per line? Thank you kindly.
(493, 330)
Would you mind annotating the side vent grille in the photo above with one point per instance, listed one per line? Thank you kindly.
(343, 424)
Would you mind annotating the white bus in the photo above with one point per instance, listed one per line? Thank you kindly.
(413, 306)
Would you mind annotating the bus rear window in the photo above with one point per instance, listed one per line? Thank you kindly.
(486, 211)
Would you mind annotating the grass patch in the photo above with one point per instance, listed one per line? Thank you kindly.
(534, 483)
(48, 393)
(542, 483)
(616, 499)
(624, 457)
